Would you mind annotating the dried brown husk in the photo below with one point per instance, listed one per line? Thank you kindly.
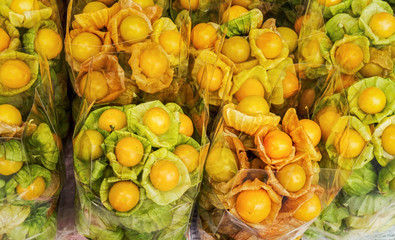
(306, 164)
(144, 83)
(256, 184)
(115, 22)
(14, 131)
(108, 65)
(106, 45)
(301, 140)
(245, 123)
(237, 146)
(96, 20)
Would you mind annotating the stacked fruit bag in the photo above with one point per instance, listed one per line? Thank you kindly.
(138, 156)
(359, 110)
(32, 99)
(262, 176)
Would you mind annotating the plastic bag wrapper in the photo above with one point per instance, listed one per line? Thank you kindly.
(99, 169)
(108, 65)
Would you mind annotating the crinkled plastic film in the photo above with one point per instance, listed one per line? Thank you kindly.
(134, 90)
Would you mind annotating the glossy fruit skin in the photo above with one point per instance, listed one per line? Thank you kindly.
(188, 155)
(236, 49)
(210, 77)
(270, 44)
(326, 119)
(203, 36)
(372, 100)
(371, 69)
(312, 129)
(14, 74)
(4, 40)
(277, 144)
(85, 45)
(309, 210)
(93, 7)
(124, 196)
(10, 115)
(186, 125)
(33, 191)
(233, 12)
(253, 105)
(221, 164)
(189, 4)
(349, 55)
(349, 144)
(134, 29)
(170, 42)
(49, 43)
(250, 87)
(290, 37)
(112, 119)
(164, 175)
(292, 177)
(383, 24)
(145, 3)
(253, 206)
(20, 6)
(89, 148)
(93, 86)
(306, 101)
(107, 2)
(154, 63)
(157, 120)
(8, 168)
(388, 139)
(329, 3)
(290, 85)
(129, 151)
(243, 3)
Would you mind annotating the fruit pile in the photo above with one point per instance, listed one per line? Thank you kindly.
(141, 165)
(32, 99)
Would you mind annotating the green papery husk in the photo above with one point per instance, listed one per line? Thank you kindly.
(362, 42)
(366, 16)
(275, 76)
(134, 235)
(29, 18)
(32, 63)
(2, 189)
(184, 182)
(25, 177)
(208, 57)
(13, 33)
(30, 36)
(12, 150)
(148, 217)
(135, 123)
(367, 204)
(94, 221)
(41, 147)
(196, 175)
(358, 5)
(331, 218)
(88, 172)
(342, 24)
(181, 214)
(385, 85)
(164, 24)
(382, 157)
(258, 72)
(124, 172)
(343, 6)
(92, 121)
(256, 52)
(386, 175)
(241, 26)
(12, 216)
(364, 157)
(38, 225)
(361, 181)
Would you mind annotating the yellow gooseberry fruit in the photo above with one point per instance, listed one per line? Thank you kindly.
(188, 155)
(33, 191)
(112, 119)
(48, 43)
(134, 29)
(312, 130)
(164, 175)
(236, 49)
(10, 115)
(253, 105)
(8, 168)
(349, 55)
(93, 7)
(186, 125)
(383, 24)
(129, 151)
(253, 206)
(349, 144)
(124, 196)
(85, 45)
(372, 100)
(329, 3)
(292, 177)
(93, 86)
(210, 77)
(233, 12)
(270, 44)
(290, 85)
(309, 210)
(157, 120)
(4, 40)
(154, 63)
(170, 42)
(192, 5)
(203, 36)
(21, 6)
(250, 87)
(14, 74)
(388, 139)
